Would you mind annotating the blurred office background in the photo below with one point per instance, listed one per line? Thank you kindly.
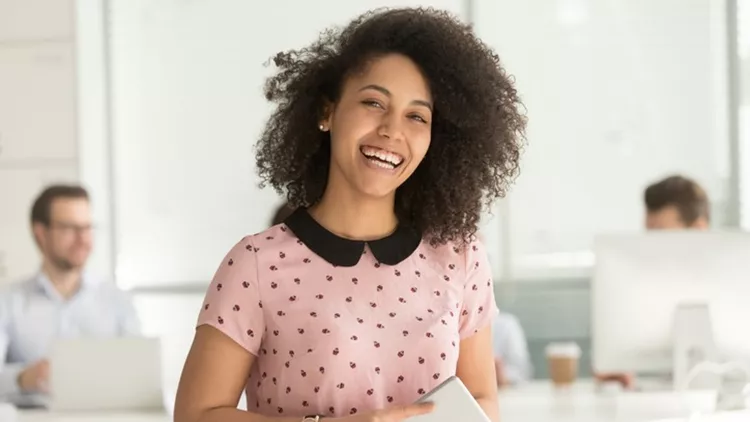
(154, 106)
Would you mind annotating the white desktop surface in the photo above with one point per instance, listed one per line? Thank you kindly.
(45, 416)
(536, 401)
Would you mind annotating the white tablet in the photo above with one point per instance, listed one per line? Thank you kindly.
(453, 402)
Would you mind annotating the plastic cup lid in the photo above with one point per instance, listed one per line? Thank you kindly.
(571, 350)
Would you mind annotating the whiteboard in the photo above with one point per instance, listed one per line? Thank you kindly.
(187, 107)
(619, 93)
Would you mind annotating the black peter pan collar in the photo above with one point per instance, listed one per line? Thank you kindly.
(342, 252)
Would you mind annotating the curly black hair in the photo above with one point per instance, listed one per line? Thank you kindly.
(478, 125)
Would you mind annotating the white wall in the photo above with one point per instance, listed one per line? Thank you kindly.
(619, 94)
(38, 122)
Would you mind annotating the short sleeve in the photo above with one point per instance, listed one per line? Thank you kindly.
(478, 307)
(232, 303)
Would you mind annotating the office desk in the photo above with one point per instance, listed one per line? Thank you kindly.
(537, 402)
(44, 416)
(541, 402)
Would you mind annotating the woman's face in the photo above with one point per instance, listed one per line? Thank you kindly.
(380, 127)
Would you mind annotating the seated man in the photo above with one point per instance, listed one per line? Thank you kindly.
(676, 203)
(512, 362)
(60, 301)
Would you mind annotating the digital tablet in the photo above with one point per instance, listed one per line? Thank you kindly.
(453, 402)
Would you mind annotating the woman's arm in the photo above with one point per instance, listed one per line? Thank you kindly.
(215, 373)
(476, 369)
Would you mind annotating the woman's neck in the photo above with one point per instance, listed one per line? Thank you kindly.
(353, 217)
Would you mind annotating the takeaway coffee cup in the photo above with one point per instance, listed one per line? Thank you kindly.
(562, 359)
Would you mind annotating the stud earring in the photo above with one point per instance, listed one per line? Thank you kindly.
(322, 128)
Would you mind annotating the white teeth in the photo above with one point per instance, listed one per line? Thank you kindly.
(383, 155)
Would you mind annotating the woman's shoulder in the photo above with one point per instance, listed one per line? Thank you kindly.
(460, 254)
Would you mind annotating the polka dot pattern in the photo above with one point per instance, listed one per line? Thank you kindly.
(337, 341)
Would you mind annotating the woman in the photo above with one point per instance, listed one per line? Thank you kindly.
(389, 137)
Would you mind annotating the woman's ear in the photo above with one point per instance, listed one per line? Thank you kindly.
(326, 119)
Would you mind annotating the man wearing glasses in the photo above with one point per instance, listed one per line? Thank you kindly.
(61, 301)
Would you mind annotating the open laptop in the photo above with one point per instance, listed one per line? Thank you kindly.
(113, 374)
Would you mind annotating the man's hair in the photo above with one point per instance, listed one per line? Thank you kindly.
(42, 209)
(282, 213)
(681, 192)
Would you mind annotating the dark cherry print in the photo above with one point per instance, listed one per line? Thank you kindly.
(380, 288)
(297, 281)
(420, 391)
(405, 333)
(282, 255)
(373, 305)
(353, 410)
(390, 399)
(250, 333)
(318, 296)
(205, 307)
(329, 278)
(305, 404)
(355, 280)
(337, 315)
(231, 262)
(301, 330)
(413, 289)
(322, 370)
(421, 360)
(292, 298)
(336, 351)
(446, 278)
(377, 370)
(417, 273)
(220, 320)
(435, 376)
(397, 272)
(303, 373)
(352, 365)
(274, 285)
(219, 286)
(245, 284)
(370, 392)
(376, 344)
(392, 315)
(340, 386)
(280, 313)
(400, 379)
(317, 389)
(401, 354)
(442, 356)
(452, 267)
(306, 260)
(354, 338)
(273, 268)
(236, 308)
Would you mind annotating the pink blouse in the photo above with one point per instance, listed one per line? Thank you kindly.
(337, 340)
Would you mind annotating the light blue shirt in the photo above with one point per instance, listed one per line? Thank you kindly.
(509, 344)
(33, 315)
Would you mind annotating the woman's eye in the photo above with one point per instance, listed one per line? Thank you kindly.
(418, 118)
(372, 103)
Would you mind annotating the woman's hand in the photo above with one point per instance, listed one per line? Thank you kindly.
(395, 414)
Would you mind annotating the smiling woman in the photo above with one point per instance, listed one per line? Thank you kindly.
(389, 137)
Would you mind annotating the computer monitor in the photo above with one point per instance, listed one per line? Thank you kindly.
(639, 282)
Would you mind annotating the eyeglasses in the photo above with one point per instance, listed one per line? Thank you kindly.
(71, 228)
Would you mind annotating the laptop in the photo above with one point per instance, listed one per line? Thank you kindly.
(113, 374)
